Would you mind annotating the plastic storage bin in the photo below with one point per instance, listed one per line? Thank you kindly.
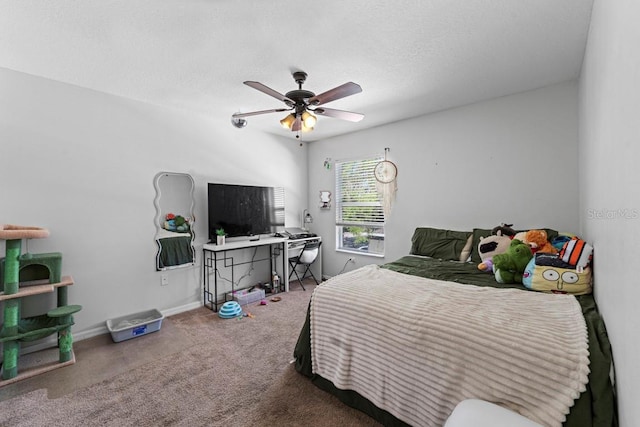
(135, 325)
(245, 297)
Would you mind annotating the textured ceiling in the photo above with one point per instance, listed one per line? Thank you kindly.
(411, 57)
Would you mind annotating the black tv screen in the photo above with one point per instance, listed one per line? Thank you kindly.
(244, 210)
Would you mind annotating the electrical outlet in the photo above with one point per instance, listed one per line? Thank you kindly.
(164, 280)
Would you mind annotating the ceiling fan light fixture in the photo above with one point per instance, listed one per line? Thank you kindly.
(308, 120)
(288, 121)
(305, 104)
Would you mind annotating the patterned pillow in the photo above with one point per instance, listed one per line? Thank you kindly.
(548, 273)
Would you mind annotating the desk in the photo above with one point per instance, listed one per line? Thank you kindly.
(278, 246)
(211, 254)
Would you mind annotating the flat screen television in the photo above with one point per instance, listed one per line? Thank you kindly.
(244, 210)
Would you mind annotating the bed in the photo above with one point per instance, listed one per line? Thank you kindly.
(374, 355)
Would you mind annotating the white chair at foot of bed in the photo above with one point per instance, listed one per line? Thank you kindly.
(479, 413)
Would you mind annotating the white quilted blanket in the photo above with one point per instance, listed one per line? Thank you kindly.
(416, 347)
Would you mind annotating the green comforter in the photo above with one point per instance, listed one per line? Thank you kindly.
(595, 407)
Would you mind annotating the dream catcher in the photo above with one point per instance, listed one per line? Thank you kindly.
(386, 173)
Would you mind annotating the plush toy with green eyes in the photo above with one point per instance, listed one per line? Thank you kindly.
(509, 266)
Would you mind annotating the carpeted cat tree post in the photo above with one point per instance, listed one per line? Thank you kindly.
(34, 267)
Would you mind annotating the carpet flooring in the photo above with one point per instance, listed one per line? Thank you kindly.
(198, 370)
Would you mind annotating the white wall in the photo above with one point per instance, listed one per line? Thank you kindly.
(609, 181)
(511, 159)
(82, 163)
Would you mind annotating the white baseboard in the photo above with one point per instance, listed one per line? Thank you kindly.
(52, 340)
(47, 342)
(89, 333)
(182, 308)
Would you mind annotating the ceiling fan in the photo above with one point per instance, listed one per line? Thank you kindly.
(303, 104)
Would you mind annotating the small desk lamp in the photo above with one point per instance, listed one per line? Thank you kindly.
(306, 218)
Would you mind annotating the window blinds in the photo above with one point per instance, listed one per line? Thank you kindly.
(357, 200)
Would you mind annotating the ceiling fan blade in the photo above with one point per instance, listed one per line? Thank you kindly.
(341, 91)
(265, 89)
(297, 125)
(255, 113)
(339, 114)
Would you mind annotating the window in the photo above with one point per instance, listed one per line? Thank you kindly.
(359, 215)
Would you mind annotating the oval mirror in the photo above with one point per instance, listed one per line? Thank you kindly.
(174, 220)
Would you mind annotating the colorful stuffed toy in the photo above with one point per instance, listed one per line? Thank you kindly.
(176, 223)
(508, 267)
(489, 247)
(562, 238)
(539, 242)
(549, 273)
(577, 253)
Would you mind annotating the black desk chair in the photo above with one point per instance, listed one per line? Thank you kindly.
(306, 257)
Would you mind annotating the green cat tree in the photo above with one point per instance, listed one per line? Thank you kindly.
(24, 275)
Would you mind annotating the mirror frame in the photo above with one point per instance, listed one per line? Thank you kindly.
(188, 210)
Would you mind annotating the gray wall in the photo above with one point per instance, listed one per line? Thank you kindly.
(511, 159)
(82, 164)
(609, 182)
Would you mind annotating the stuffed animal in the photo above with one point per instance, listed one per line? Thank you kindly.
(520, 235)
(538, 241)
(577, 253)
(182, 226)
(562, 238)
(504, 230)
(176, 223)
(508, 267)
(489, 247)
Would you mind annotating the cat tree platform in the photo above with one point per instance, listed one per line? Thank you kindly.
(24, 275)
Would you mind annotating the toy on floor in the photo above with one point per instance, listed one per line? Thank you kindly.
(229, 310)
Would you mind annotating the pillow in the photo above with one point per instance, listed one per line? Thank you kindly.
(548, 273)
(439, 243)
(466, 251)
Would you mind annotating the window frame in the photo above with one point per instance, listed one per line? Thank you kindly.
(374, 222)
